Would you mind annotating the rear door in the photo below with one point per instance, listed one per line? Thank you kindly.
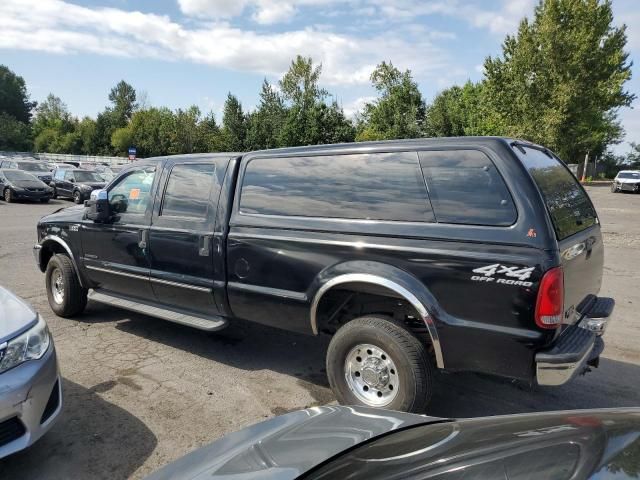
(575, 223)
(183, 254)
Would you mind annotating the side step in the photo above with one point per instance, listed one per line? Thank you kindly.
(208, 324)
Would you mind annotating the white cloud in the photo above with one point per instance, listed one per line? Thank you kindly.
(59, 27)
(355, 106)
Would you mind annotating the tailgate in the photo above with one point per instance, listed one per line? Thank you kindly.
(575, 224)
(582, 257)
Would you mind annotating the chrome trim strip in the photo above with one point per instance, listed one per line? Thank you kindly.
(277, 292)
(181, 285)
(55, 238)
(403, 292)
(116, 272)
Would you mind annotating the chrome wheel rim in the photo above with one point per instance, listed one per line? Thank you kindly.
(371, 375)
(76, 197)
(57, 286)
(7, 195)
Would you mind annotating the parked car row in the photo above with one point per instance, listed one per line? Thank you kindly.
(24, 179)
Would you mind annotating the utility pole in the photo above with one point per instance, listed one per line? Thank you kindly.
(584, 170)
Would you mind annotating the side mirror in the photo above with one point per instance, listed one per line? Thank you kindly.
(72, 180)
(97, 207)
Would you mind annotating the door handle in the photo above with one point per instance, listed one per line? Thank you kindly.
(144, 238)
(204, 247)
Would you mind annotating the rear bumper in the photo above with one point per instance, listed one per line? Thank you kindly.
(580, 345)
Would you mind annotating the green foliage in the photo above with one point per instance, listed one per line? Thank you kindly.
(633, 158)
(398, 113)
(265, 124)
(560, 80)
(234, 125)
(14, 98)
(14, 135)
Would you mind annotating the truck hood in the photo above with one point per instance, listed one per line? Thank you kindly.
(69, 214)
(16, 316)
(285, 447)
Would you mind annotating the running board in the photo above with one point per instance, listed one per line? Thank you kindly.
(208, 324)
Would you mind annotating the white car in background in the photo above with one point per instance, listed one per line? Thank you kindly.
(626, 180)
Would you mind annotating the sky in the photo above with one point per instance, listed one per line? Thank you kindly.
(178, 53)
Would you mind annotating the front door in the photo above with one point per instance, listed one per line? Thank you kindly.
(181, 237)
(116, 254)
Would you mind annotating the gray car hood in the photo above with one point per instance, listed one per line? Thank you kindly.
(15, 316)
(285, 447)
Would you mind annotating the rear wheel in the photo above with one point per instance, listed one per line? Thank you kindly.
(376, 362)
(8, 195)
(64, 292)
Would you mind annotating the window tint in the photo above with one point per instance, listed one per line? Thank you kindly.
(384, 186)
(132, 193)
(68, 175)
(570, 209)
(189, 190)
(59, 175)
(465, 187)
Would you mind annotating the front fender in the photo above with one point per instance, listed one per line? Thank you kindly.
(393, 278)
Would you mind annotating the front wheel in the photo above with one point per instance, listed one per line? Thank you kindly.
(45, 200)
(54, 195)
(614, 188)
(8, 195)
(66, 296)
(77, 197)
(376, 362)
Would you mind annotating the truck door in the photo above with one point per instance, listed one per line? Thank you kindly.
(116, 253)
(183, 254)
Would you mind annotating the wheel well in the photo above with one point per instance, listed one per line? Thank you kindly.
(348, 301)
(49, 249)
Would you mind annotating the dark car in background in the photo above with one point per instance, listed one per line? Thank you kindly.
(32, 166)
(76, 183)
(20, 185)
(357, 443)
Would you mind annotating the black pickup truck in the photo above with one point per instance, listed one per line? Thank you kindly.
(462, 254)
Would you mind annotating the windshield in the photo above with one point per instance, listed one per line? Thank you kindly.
(629, 175)
(32, 167)
(17, 175)
(81, 176)
(569, 206)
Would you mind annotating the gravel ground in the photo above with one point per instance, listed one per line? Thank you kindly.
(141, 392)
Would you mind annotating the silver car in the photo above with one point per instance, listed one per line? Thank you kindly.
(30, 386)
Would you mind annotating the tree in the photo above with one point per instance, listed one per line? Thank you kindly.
(14, 135)
(54, 128)
(14, 98)
(234, 125)
(633, 157)
(123, 98)
(560, 80)
(460, 111)
(400, 110)
(265, 124)
(301, 94)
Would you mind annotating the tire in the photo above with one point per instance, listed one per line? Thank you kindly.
(66, 297)
(77, 197)
(44, 200)
(384, 350)
(8, 195)
(613, 188)
(55, 193)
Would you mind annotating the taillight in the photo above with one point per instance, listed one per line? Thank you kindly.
(550, 303)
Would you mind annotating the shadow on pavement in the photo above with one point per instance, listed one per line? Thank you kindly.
(92, 439)
(250, 346)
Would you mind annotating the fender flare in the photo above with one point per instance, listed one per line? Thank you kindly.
(55, 239)
(394, 279)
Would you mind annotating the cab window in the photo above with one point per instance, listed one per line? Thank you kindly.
(131, 194)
